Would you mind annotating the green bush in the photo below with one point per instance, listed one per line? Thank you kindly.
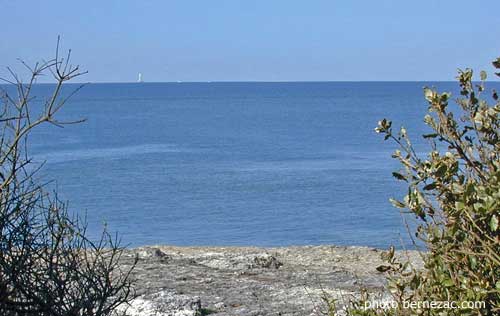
(454, 193)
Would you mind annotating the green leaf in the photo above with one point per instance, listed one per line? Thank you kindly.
(448, 283)
(496, 63)
(399, 176)
(494, 223)
(430, 186)
(459, 205)
(441, 170)
(383, 268)
(433, 135)
(473, 262)
(397, 203)
(429, 94)
(483, 75)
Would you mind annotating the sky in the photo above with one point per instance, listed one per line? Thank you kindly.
(256, 40)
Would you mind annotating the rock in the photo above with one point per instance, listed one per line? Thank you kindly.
(267, 261)
(164, 303)
(147, 253)
(160, 254)
(245, 281)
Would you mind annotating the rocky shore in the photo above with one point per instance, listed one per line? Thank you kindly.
(233, 281)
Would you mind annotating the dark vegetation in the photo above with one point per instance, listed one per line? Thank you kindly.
(48, 265)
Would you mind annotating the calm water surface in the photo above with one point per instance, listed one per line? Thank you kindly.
(263, 164)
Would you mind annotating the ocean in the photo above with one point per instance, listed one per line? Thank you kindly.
(261, 164)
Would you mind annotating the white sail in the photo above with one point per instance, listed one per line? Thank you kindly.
(140, 78)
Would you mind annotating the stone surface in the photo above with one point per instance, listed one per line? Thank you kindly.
(163, 303)
(231, 281)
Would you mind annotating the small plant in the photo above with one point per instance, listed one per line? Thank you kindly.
(48, 266)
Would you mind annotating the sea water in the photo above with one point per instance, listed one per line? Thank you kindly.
(264, 164)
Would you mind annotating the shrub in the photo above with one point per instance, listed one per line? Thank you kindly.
(48, 266)
(454, 193)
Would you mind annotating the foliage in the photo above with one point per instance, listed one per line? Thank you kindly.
(48, 266)
(454, 193)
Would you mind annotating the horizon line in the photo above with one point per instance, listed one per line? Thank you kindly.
(256, 81)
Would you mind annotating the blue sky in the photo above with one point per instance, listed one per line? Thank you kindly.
(256, 40)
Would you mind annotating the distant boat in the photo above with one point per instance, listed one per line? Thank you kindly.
(140, 78)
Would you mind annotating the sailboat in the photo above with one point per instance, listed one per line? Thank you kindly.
(139, 79)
